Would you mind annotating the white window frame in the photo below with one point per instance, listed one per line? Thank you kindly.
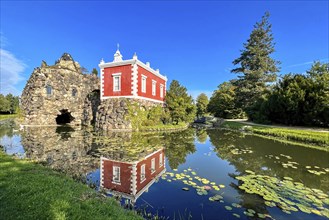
(154, 87)
(160, 160)
(153, 165)
(144, 78)
(116, 173)
(161, 90)
(143, 173)
(116, 76)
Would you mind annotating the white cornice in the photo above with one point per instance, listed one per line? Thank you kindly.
(132, 61)
(133, 97)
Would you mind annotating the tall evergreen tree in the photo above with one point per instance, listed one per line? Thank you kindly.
(256, 67)
(201, 105)
(179, 103)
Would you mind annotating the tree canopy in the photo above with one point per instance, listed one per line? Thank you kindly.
(223, 102)
(201, 105)
(9, 103)
(179, 103)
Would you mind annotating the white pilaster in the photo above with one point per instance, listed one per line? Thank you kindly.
(134, 79)
(133, 180)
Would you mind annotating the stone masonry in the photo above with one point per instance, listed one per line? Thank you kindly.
(60, 90)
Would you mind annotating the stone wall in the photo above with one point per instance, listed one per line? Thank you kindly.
(113, 113)
(68, 91)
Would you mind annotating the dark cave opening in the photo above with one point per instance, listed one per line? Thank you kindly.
(65, 117)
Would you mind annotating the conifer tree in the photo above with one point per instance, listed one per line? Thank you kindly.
(255, 66)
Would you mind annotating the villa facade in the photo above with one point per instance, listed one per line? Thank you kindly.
(131, 79)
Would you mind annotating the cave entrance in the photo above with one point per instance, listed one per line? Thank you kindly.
(65, 117)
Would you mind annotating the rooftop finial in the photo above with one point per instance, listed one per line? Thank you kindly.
(117, 55)
(135, 56)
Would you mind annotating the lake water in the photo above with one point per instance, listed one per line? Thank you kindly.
(191, 174)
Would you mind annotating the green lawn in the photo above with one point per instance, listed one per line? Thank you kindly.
(31, 191)
(312, 138)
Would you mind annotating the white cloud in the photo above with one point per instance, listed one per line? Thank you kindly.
(307, 63)
(196, 93)
(11, 70)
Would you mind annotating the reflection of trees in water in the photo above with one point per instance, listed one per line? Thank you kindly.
(6, 128)
(178, 145)
(201, 135)
(228, 143)
(127, 147)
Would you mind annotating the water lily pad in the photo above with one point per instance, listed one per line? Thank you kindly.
(249, 171)
(221, 186)
(260, 215)
(229, 208)
(248, 214)
(236, 215)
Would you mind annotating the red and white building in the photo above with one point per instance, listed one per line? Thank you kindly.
(131, 79)
(130, 179)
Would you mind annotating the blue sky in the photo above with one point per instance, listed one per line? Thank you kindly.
(193, 42)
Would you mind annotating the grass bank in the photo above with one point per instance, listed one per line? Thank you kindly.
(314, 139)
(7, 116)
(31, 191)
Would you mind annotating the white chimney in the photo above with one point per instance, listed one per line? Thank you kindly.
(148, 64)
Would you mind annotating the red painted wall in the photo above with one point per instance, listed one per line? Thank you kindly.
(149, 176)
(150, 76)
(125, 80)
(125, 175)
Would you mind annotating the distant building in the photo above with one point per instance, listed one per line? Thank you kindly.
(131, 79)
(130, 179)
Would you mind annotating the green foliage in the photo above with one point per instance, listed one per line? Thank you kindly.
(94, 72)
(201, 105)
(300, 99)
(31, 191)
(9, 103)
(179, 103)
(222, 102)
(152, 118)
(256, 66)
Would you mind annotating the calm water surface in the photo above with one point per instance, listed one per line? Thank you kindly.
(192, 174)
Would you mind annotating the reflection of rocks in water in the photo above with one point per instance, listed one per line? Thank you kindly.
(64, 131)
(61, 148)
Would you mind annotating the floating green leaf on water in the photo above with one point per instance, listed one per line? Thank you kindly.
(229, 208)
(248, 214)
(185, 189)
(286, 194)
(287, 178)
(260, 215)
(221, 186)
(249, 171)
(236, 215)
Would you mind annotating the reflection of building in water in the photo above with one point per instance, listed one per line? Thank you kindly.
(131, 179)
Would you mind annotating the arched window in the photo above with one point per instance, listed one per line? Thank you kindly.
(49, 90)
(74, 92)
